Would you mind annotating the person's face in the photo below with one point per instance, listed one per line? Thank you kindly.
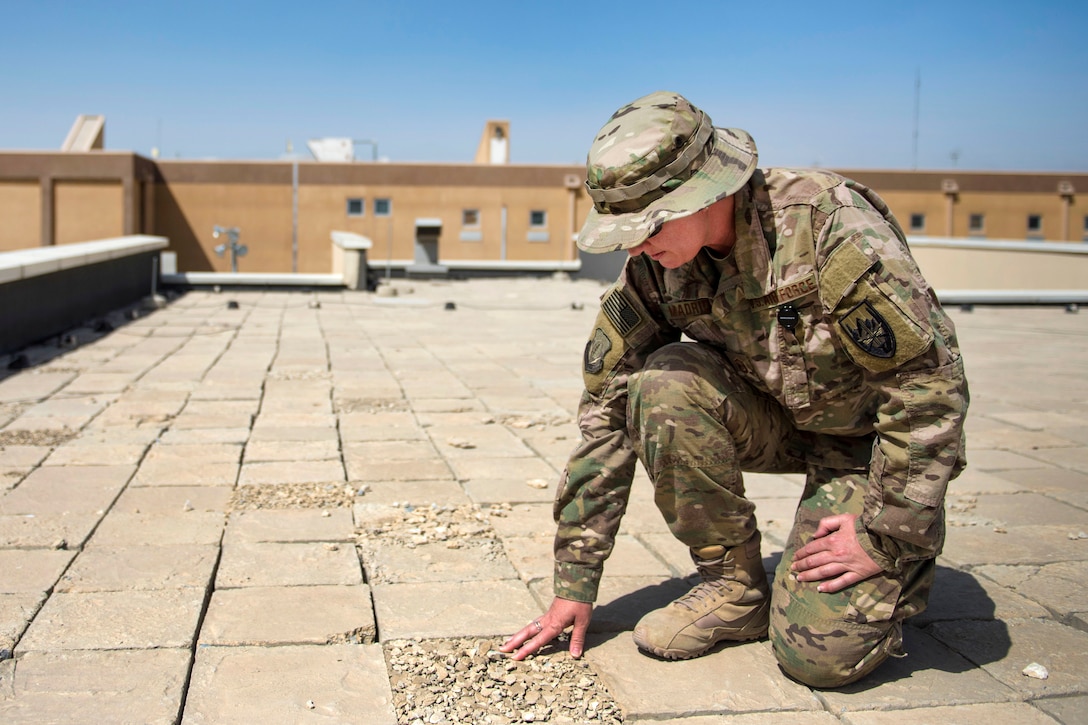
(678, 241)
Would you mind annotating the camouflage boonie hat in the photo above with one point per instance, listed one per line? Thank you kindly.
(658, 158)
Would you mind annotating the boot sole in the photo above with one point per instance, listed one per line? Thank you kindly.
(680, 654)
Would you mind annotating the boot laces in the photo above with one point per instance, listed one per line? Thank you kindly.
(715, 582)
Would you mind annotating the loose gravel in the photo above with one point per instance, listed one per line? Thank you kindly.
(292, 496)
(469, 681)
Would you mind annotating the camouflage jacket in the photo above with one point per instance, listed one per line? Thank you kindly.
(872, 358)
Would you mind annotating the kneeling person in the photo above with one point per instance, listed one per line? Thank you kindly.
(813, 345)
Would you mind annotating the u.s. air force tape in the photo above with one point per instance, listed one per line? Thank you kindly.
(623, 316)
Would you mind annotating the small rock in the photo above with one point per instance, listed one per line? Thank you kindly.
(187, 506)
(537, 483)
(310, 704)
(1000, 530)
(460, 443)
(1037, 671)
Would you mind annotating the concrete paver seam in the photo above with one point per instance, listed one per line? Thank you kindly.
(204, 606)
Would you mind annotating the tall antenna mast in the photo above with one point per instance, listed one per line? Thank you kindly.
(917, 104)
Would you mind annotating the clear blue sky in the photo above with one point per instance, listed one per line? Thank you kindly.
(1004, 86)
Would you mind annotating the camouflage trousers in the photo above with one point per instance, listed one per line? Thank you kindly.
(696, 424)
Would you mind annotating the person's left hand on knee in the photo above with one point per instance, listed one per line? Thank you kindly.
(833, 557)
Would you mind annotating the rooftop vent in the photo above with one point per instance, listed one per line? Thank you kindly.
(332, 149)
(87, 134)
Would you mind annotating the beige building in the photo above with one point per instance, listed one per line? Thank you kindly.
(487, 215)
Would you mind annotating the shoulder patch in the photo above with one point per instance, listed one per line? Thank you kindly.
(882, 336)
(597, 349)
(869, 331)
(621, 313)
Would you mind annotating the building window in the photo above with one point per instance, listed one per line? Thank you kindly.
(470, 226)
(1035, 226)
(918, 223)
(1085, 237)
(383, 207)
(355, 207)
(976, 224)
(538, 218)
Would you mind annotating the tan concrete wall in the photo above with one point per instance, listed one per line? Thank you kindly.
(105, 194)
(986, 269)
(86, 210)
(1004, 198)
(186, 213)
(20, 215)
(903, 204)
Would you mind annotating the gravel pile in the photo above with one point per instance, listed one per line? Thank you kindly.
(371, 405)
(470, 681)
(538, 422)
(44, 438)
(411, 526)
(292, 496)
(427, 528)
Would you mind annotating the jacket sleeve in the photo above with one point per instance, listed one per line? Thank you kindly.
(890, 323)
(593, 492)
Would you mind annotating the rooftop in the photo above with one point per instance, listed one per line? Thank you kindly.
(255, 505)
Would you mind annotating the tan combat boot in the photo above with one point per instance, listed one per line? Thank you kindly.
(732, 602)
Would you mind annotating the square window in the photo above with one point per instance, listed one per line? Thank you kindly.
(538, 218)
(383, 207)
(917, 222)
(355, 207)
(470, 218)
(1035, 223)
(976, 223)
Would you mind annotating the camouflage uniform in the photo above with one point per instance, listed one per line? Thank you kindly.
(816, 346)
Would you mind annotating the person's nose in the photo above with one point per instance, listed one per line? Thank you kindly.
(635, 251)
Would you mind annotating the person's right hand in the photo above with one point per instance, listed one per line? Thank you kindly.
(560, 615)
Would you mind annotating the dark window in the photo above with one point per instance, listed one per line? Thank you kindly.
(355, 207)
(470, 218)
(538, 218)
(976, 224)
(917, 222)
(383, 207)
(1035, 224)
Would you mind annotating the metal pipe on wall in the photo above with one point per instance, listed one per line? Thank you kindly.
(294, 216)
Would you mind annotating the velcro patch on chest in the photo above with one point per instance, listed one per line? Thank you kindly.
(678, 312)
(787, 292)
